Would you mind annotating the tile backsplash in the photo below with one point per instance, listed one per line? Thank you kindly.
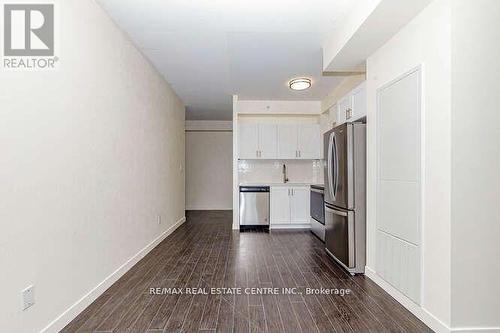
(270, 171)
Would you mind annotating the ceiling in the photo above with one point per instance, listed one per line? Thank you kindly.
(209, 50)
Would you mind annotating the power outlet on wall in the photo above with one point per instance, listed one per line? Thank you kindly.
(28, 297)
(158, 219)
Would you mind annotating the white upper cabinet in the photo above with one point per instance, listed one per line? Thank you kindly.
(287, 141)
(345, 109)
(268, 145)
(352, 107)
(358, 102)
(248, 141)
(257, 141)
(282, 141)
(309, 141)
(299, 141)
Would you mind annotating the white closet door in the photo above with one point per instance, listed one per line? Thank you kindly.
(399, 183)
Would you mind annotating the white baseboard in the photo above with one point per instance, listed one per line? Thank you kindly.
(73, 311)
(477, 330)
(429, 319)
(209, 208)
(290, 226)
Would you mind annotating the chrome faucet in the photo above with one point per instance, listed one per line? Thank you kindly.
(285, 178)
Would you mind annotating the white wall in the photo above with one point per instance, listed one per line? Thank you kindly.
(475, 164)
(91, 153)
(424, 41)
(209, 154)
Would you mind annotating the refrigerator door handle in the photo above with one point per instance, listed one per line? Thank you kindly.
(335, 159)
(330, 173)
(335, 189)
(336, 212)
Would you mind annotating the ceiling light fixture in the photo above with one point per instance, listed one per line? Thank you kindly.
(300, 83)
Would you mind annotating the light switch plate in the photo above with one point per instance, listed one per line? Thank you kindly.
(28, 297)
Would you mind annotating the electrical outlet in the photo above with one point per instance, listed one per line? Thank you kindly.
(158, 219)
(28, 297)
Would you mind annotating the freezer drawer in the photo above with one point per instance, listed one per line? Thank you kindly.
(345, 238)
(340, 234)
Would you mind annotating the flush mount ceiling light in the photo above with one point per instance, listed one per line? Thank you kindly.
(300, 83)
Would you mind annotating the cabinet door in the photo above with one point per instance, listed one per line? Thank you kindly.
(359, 102)
(299, 205)
(345, 107)
(287, 141)
(248, 141)
(280, 205)
(268, 141)
(333, 114)
(309, 143)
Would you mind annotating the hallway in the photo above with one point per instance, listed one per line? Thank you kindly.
(204, 252)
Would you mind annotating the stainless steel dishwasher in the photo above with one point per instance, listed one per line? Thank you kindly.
(254, 206)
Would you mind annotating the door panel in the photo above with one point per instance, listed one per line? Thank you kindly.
(268, 141)
(299, 205)
(328, 167)
(287, 141)
(339, 237)
(309, 141)
(340, 164)
(280, 205)
(248, 141)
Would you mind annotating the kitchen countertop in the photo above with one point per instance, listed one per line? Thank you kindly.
(279, 184)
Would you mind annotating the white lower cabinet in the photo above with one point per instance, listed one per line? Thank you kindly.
(299, 205)
(289, 206)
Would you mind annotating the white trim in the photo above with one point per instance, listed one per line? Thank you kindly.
(429, 319)
(236, 192)
(290, 226)
(208, 125)
(74, 310)
(477, 329)
(208, 208)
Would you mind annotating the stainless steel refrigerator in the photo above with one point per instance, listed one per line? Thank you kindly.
(345, 195)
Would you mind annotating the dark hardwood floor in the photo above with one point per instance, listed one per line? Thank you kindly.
(206, 253)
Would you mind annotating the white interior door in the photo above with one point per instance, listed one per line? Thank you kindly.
(299, 205)
(287, 141)
(309, 143)
(280, 205)
(399, 184)
(268, 141)
(248, 141)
